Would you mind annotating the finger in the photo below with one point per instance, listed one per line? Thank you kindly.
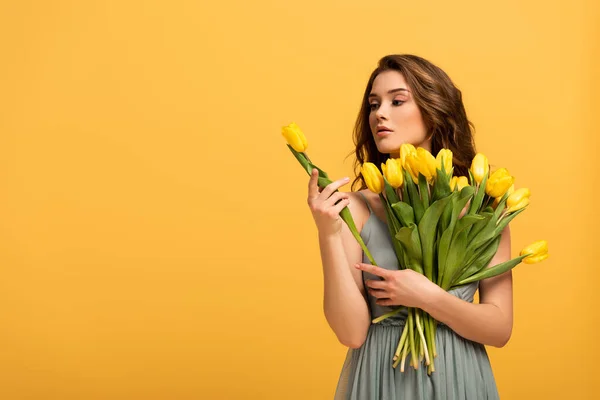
(384, 302)
(313, 189)
(378, 294)
(333, 199)
(375, 284)
(340, 206)
(333, 186)
(375, 270)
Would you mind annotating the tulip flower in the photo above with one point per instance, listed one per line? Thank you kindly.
(412, 164)
(479, 167)
(427, 164)
(499, 182)
(405, 150)
(295, 138)
(538, 251)
(392, 170)
(462, 181)
(373, 178)
(497, 200)
(443, 160)
(518, 200)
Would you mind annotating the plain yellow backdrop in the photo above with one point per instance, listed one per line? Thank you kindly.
(155, 238)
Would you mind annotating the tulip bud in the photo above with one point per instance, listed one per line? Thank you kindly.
(498, 183)
(453, 183)
(405, 150)
(446, 154)
(479, 167)
(518, 199)
(412, 165)
(427, 164)
(372, 177)
(295, 138)
(392, 170)
(538, 251)
(510, 191)
(462, 182)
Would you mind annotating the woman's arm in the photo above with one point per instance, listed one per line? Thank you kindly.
(490, 322)
(344, 303)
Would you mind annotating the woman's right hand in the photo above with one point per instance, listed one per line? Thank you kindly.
(322, 204)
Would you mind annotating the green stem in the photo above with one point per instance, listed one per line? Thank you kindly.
(400, 345)
(421, 334)
(384, 316)
(411, 333)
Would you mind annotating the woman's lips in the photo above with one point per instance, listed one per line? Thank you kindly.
(383, 133)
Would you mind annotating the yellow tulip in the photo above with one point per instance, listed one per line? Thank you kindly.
(427, 164)
(405, 150)
(499, 182)
(518, 199)
(479, 167)
(461, 181)
(392, 170)
(295, 138)
(538, 251)
(447, 155)
(510, 191)
(453, 182)
(412, 165)
(372, 177)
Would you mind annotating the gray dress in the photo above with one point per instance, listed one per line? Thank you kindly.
(462, 367)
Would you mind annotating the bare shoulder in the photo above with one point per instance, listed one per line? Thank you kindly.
(358, 208)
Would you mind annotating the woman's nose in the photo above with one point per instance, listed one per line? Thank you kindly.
(381, 113)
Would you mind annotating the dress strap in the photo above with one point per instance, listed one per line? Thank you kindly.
(367, 201)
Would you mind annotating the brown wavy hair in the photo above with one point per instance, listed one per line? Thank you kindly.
(441, 106)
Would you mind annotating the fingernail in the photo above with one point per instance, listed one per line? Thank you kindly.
(357, 265)
(346, 179)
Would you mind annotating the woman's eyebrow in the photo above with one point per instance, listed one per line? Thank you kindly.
(390, 92)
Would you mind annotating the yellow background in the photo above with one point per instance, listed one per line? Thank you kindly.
(155, 240)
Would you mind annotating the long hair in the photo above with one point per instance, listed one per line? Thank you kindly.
(441, 106)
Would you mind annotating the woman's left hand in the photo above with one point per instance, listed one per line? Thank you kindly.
(401, 287)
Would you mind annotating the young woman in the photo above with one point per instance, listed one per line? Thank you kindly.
(407, 100)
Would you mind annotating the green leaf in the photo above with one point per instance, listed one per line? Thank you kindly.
(390, 192)
(427, 231)
(404, 212)
(415, 200)
(409, 237)
(479, 260)
(493, 271)
(471, 178)
(446, 238)
(477, 227)
(478, 199)
(504, 221)
(455, 257)
(424, 190)
(467, 220)
(441, 186)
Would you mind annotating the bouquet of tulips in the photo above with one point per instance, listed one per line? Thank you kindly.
(423, 203)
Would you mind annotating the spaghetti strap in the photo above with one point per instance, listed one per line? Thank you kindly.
(367, 201)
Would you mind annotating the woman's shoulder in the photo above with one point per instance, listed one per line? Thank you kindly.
(358, 207)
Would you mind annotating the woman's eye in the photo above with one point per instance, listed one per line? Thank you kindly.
(372, 105)
(398, 101)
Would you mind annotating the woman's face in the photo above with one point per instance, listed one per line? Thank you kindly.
(393, 108)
